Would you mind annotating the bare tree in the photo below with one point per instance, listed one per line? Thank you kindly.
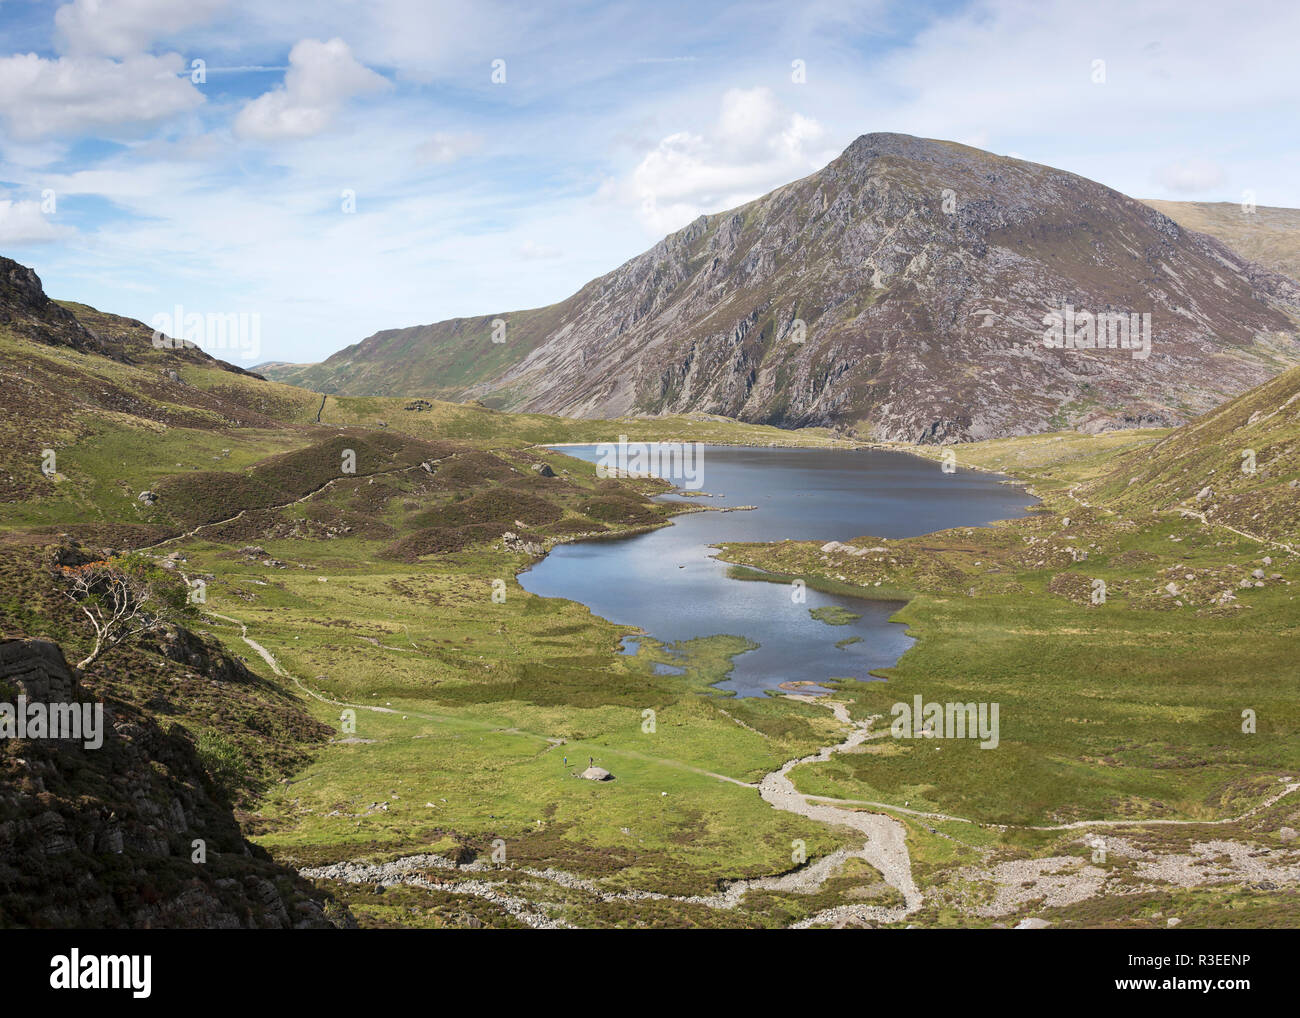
(123, 598)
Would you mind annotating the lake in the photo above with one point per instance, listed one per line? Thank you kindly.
(667, 582)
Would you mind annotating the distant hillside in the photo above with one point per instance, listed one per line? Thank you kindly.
(26, 310)
(66, 369)
(1238, 465)
(1269, 236)
(901, 290)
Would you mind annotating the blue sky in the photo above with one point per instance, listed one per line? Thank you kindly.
(129, 185)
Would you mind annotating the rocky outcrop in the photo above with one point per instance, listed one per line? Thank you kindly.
(26, 309)
(133, 833)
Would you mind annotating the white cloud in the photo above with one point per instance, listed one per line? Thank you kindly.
(1021, 76)
(1190, 175)
(69, 94)
(23, 222)
(531, 251)
(122, 28)
(756, 145)
(444, 147)
(322, 76)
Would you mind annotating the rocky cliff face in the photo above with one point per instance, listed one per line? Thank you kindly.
(902, 289)
(26, 310)
(105, 836)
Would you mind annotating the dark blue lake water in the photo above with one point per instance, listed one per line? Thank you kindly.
(667, 582)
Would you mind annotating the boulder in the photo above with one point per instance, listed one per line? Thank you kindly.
(596, 774)
(543, 470)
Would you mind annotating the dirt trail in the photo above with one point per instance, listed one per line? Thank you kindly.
(1076, 825)
(885, 847)
(1206, 521)
(1194, 514)
(283, 505)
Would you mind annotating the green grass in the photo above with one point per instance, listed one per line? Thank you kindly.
(833, 615)
(482, 693)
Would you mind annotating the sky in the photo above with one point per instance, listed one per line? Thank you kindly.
(335, 168)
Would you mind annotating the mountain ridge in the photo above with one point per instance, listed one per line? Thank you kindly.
(889, 264)
(1265, 234)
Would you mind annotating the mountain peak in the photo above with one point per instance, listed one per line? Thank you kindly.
(901, 291)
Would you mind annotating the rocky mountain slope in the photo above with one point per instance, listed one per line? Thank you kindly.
(1267, 235)
(106, 836)
(901, 290)
(1238, 465)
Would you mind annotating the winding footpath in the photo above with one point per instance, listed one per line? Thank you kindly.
(884, 845)
(1185, 512)
(285, 505)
